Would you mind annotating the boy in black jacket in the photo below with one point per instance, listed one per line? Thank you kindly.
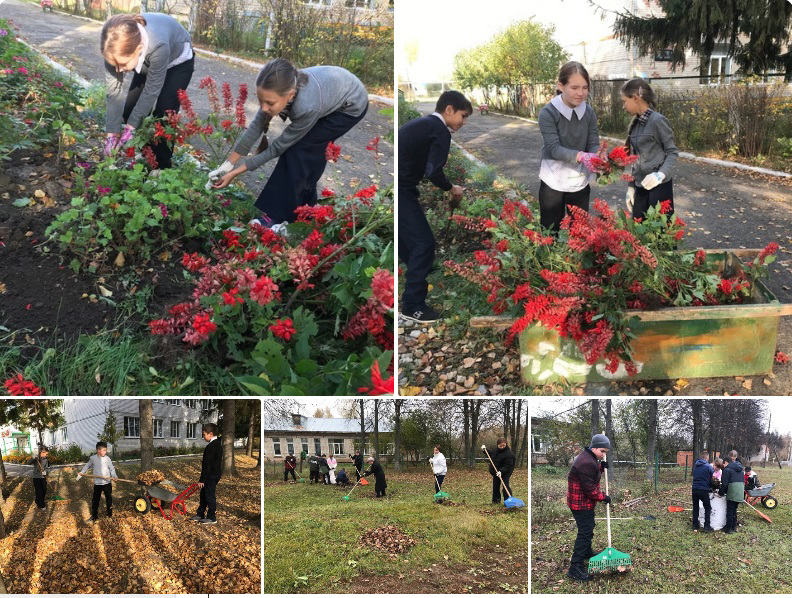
(423, 151)
(211, 471)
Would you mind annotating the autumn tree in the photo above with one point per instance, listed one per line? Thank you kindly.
(146, 410)
(110, 433)
(10, 414)
(228, 407)
(42, 414)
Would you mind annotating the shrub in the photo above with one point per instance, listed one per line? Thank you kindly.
(71, 453)
(407, 110)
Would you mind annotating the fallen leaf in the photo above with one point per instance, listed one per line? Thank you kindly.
(120, 260)
(104, 291)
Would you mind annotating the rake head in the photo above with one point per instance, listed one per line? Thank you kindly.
(609, 559)
(513, 503)
(346, 498)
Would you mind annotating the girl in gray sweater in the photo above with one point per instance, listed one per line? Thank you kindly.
(650, 138)
(322, 103)
(159, 51)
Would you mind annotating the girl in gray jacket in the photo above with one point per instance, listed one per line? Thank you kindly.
(322, 103)
(159, 51)
(41, 467)
(650, 138)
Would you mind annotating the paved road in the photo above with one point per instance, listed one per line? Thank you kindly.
(74, 43)
(723, 207)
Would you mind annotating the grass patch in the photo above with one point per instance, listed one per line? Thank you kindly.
(315, 522)
(667, 555)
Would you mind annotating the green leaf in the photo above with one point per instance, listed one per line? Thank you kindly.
(21, 202)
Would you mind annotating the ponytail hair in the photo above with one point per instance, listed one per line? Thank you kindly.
(572, 68)
(120, 35)
(637, 87)
(282, 77)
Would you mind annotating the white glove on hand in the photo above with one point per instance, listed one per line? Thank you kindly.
(79, 477)
(497, 473)
(652, 180)
(630, 198)
(483, 447)
(218, 173)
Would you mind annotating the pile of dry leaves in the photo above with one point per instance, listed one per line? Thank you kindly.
(151, 477)
(388, 539)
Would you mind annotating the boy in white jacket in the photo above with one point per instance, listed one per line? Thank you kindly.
(101, 465)
(438, 467)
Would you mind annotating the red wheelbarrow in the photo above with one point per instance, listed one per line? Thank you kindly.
(156, 496)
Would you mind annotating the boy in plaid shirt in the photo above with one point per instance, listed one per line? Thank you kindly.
(583, 494)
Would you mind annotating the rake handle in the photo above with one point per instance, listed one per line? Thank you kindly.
(496, 469)
(102, 477)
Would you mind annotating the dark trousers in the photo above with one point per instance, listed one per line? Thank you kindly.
(416, 249)
(731, 514)
(497, 488)
(439, 482)
(379, 488)
(176, 78)
(314, 476)
(645, 199)
(286, 473)
(553, 204)
(585, 533)
(357, 473)
(40, 487)
(326, 478)
(97, 496)
(293, 181)
(704, 497)
(208, 501)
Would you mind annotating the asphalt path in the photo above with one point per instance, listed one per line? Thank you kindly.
(74, 43)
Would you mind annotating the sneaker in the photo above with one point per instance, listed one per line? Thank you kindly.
(707, 529)
(208, 521)
(578, 574)
(421, 315)
(196, 518)
(110, 514)
(728, 531)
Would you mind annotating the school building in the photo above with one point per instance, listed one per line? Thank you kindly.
(324, 435)
(177, 423)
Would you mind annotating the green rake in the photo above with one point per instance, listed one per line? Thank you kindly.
(441, 496)
(609, 559)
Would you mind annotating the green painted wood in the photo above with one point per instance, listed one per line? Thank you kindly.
(736, 341)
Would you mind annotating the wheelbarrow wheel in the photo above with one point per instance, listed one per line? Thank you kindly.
(769, 502)
(142, 505)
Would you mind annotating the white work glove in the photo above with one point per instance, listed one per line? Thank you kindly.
(483, 447)
(652, 180)
(497, 473)
(79, 477)
(630, 198)
(219, 173)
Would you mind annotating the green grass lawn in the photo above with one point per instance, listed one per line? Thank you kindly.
(667, 555)
(311, 536)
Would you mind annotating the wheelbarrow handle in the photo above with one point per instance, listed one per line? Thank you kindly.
(101, 477)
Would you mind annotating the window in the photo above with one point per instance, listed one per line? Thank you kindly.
(317, 446)
(317, 2)
(304, 442)
(357, 3)
(290, 445)
(192, 430)
(157, 400)
(175, 429)
(132, 427)
(337, 446)
(191, 403)
(538, 444)
(205, 404)
(157, 428)
(716, 70)
(173, 401)
(276, 445)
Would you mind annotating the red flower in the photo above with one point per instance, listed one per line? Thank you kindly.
(665, 206)
(378, 385)
(151, 159)
(725, 286)
(332, 152)
(700, 258)
(194, 262)
(327, 192)
(283, 328)
(228, 99)
(502, 245)
(781, 357)
(240, 105)
(18, 386)
(318, 214)
(202, 327)
(186, 103)
(232, 239)
(373, 145)
(769, 250)
(382, 287)
(231, 297)
(130, 152)
(313, 241)
(211, 90)
(226, 124)
(263, 290)
(366, 193)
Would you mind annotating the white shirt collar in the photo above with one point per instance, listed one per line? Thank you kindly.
(144, 35)
(440, 116)
(213, 438)
(566, 111)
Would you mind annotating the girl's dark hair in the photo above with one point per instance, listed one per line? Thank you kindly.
(280, 76)
(572, 68)
(437, 446)
(637, 87)
(501, 441)
(120, 35)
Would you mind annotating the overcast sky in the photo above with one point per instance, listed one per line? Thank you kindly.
(441, 28)
(780, 408)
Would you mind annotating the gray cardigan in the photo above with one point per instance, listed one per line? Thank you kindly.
(563, 138)
(166, 43)
(653, 142)
(329, 89)
(41, 467)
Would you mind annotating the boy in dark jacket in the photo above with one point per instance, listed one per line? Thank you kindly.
(324, 469)
(583, 494)
(289, 465)
(211, 471)
(41, 467)
(342, 479)
(379, 477)
(423, 151)
(358, 461)
(733, 488)
(702, 481)
(504, 467)
(313, 468)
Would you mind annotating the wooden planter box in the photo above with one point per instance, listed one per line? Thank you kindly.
(676, 342)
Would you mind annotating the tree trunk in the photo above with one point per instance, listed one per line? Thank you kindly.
(146, 434)
(261, 449)
(609, 433)
(697, 430)
(2, 535)
(475, 411)
(466, 411)
(376, 427)
(3, 475)
(362, 429)
(397, 405)
(251, 427)
(229, 419)
(651, 444)
(595, 425)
